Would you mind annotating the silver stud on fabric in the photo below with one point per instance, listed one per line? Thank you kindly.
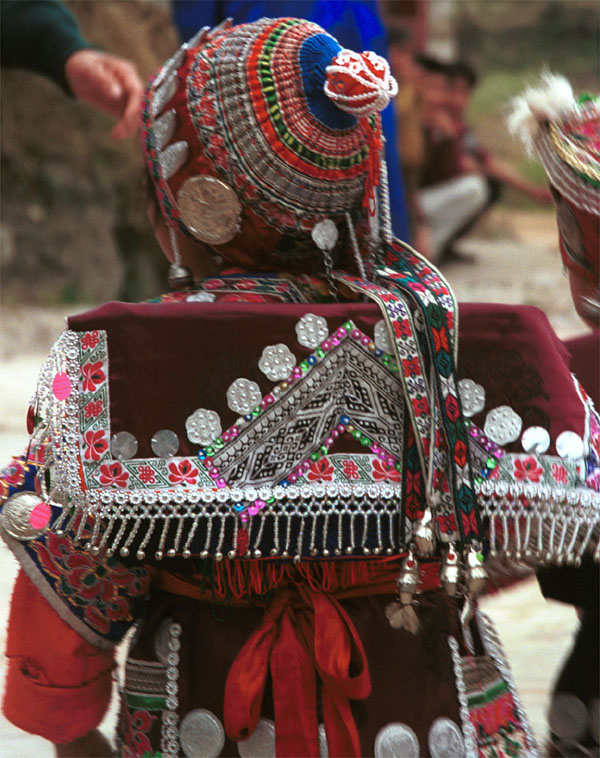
(203, 426)
(311, 330)
(502, 425)
(570, 446)
(165, 443)
(172, 158)
(261, 743)
(276, 362)
(396, 740)
(535, 439)
(164, 128)
(243, 395)
(123, 446)
(445, 739)
(382, 337)
(163, 94)
(201, 297)
(201, 733)
(472, 397)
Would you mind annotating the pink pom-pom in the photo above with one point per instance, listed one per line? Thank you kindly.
(360, 83)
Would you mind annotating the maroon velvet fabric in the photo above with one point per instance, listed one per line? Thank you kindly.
(584, 362)
(168, 359)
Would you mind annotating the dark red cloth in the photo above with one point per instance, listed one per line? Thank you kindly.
(584, 362)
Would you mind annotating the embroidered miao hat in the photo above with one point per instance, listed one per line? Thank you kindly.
(258, 132)
(565, 134)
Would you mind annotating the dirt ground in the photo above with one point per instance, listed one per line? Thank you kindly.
(514, 259)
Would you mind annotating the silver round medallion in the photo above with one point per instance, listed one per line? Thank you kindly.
(276, 362)
(502, 425)
(570, 446)
(311, 330)
(445, 739)
(210, 209)
(472, 397)
(243, 395)
(382, 337)
(535, 439)
(396, 740)
(261, 743)
(203, 426)
(201, 734)
(161, 640)
(20, 518)
(123, 446)
(568, 716)
(325, 234)
(165, 444)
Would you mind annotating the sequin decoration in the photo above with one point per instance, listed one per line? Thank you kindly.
(396, 740)
(261, 743)
(243, 395)
(61, 386)
(472, 397)
(201, 733)
(123, 446)
(18, 513)
(535, 440)
(381, 337)
(502, 425)
(570, 446)
(165, 443)
(201, 297)
(445, 739)
(276, 362)
(311, 330)
(203, 426)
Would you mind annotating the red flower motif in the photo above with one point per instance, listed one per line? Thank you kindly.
(96, 445)
(136, 725)
(420, 406)
(92, 375)
(528, 469)
(560, 473)
(469, 522)
(182, 472)
(112, 474)
(460, 452)
(446, 524)
(146, 474)
(321, 470)
(452, 408)
(401, 328)
(90, 340)
(411, 366)
(212, 284)
(93, 409)
(440, 340)
(350, 469)
(413, 482)
(384, 472)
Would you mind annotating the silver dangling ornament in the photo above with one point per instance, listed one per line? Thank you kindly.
(450, 571)
(400, 613)
(325, 236)
(424, 537)
(475, 580)
(179, 276)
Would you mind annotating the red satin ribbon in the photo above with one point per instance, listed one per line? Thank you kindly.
(303, 632)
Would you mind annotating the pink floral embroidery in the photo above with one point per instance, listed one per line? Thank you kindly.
(528, 469)
(136, 725)
(350, 469)
(96, 445)
(446, 524)
(146, 474)
(92, 375)
(113, 474)
(93, 408)
(182, 472)
(560, 473)
(383, 471)
(321, 470)
(411, 366)
(90, 340)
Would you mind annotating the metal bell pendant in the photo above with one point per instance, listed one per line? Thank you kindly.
(424, 539)
(179, 276)
(400, 613)
(449, 572)
(477, 576)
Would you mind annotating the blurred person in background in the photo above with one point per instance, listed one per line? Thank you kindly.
(357, 24)
(43, 36)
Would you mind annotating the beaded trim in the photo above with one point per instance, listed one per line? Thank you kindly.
(468, 728)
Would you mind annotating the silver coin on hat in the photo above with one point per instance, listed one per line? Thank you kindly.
(243, 395)
(123, 446)
(568, 716)
(165, 443)
(445, 739)
(502, 425)
(472, 397)
(16, 516)
(276, 362)
(569, 446)
(311, 330)
(261, 743)
(210, 209)
(201, 733)
(395, 740)
(535, 439)
(203, 426)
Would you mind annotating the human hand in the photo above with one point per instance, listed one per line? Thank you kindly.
(109, 83)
